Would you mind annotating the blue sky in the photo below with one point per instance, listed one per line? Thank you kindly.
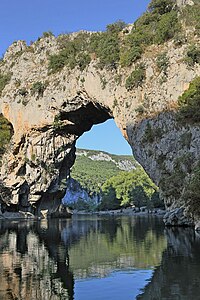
(27, 20)
(106, 137)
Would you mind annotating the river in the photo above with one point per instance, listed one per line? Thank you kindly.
(98, 258)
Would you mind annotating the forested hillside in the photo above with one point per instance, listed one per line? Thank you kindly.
(118, 179)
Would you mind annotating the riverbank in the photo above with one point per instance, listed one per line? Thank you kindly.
(118, 212)
(16, 215)
(122, 212)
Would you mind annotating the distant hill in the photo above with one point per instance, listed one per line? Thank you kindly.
(100, 180)
(92, 168)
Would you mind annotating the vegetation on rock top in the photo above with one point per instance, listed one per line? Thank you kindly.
(121, 46)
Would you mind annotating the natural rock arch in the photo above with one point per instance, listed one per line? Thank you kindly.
(40, 157)
(43, 156)
(49, 111)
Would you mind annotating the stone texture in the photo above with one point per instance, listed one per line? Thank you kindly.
(197, 226)
(176, 217)
(184, 2)
(75, 193)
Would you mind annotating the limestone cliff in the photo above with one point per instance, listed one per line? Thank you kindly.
(51, 99)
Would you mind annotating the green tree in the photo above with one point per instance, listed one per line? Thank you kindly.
(139, 196)
(189, 102)
(167, 27)
(109, 200)
(133, 187)
(4, 80)
(136, 78)
(156, 202)
(161, 6)
(6, 132)
(116, 27)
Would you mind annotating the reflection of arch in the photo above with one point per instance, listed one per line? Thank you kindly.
(54, 240)
(18, 235)
(66, 276)
(51, 238)
(178, 275)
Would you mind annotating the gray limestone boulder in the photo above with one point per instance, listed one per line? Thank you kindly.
(177, 217)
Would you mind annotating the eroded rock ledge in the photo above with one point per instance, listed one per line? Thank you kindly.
(49, 111)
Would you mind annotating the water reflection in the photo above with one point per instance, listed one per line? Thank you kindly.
(72, 259)
(178, 275)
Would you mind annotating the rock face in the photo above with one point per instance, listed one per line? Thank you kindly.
(176, 217)
(49, 111)
(181, 3)
(76, 194)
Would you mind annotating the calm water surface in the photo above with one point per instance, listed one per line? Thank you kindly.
(95, 258)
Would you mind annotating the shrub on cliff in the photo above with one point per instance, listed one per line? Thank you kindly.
(162, 62)
(189, 103)
(77, 51)
(167, 27)
(47, 34)
(106, 45)
(156, 26)
(38, 88)
(136, 78)
(193, 55)
(161, 6)
(130, 55)
(5, 134)
(117, 46)
(74, 52)
(4, 79)
(191, 16)
(116, 27)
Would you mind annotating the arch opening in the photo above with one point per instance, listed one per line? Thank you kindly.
(60, 138)
(105, 137)
(39, 177)
(49, 154)
(108, 178)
